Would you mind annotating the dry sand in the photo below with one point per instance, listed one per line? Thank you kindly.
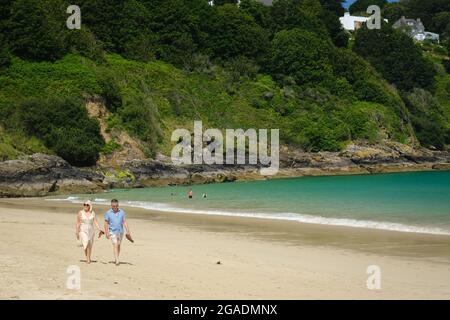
(175, 257)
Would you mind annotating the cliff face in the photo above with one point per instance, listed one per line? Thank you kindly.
(42, 175)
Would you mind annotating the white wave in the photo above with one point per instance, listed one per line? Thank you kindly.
(65, 199)
(302, 218)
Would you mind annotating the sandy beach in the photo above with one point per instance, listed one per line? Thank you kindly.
(175, 257)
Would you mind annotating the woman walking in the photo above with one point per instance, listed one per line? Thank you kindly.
(86, 220)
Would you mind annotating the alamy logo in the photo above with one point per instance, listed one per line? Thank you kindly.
(374, 21)
(236, 140)
(74, 20)
(74, 279)
(374, 280)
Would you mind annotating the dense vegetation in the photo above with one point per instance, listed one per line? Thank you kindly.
(361, 6)
(160, 64)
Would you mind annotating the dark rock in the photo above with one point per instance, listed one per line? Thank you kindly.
(42, 175)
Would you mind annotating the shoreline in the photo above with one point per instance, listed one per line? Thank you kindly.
(42, 175)
(235, 176)
(300, 218)
(293, 232)
(175, 257)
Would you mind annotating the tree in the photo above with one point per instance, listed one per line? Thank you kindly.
(289, 14)
(65, 128)
(334, 6)
(36, 29)
(302, 55)
(5, 9)
(259, 12)
(366, 83)
(337, 33)
(222, 2)
(84, 43)
(122, 26)
(447, 65)
(5, 57)
(139, 114)
(426, 118)
(100, 17)
(427, 11)
(362, 5)
(178, 26)
(441, 21)
(234, 33)
(393, 11)
(396, 56)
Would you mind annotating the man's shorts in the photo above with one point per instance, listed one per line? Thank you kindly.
(116, 238)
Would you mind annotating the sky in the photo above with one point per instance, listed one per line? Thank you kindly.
(346, 4)
(349, 2)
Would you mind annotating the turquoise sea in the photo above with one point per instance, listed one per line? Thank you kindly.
(408, 202)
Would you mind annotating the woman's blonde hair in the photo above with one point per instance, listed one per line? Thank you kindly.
(89, 203)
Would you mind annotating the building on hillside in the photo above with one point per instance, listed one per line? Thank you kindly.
(415, 29)
(353, 23)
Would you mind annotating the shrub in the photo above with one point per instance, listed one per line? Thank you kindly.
(65, 128)
(440, 50)
(242, 67)
(426, 118)
(139, 115)
(235, 33)
(110, 91)
(110, 147)
(5, 58)
(446, 65)
(84, 43)
(302, 55)
(396, 56)
(37, 29)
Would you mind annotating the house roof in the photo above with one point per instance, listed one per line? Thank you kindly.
(416, 24)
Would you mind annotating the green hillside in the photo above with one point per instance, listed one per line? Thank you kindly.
(160, 67)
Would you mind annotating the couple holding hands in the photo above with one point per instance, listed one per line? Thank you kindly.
(115, 223)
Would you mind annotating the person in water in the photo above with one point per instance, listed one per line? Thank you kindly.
(205, 195)
(86, 220)
(190, 194)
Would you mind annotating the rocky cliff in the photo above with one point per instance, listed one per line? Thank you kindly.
(42, 175)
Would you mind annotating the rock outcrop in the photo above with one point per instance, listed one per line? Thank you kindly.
(41, 175)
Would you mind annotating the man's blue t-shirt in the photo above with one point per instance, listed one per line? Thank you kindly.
(115, 220)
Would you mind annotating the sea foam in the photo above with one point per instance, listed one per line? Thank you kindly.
(288, 216)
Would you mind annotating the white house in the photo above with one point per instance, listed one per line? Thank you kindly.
(353, 23)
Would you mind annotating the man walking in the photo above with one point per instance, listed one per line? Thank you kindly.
(114, 224)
